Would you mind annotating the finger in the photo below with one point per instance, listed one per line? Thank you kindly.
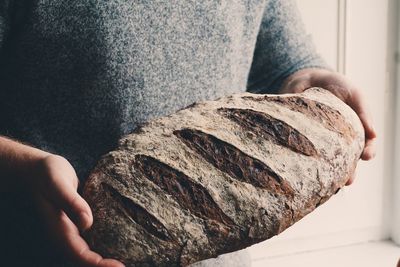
(62, 192)
(65, 197)
(295, 85)
(90, 258)
(366, 120)
(369, 151)
(356, 102)
(66, 235)
(350, 181)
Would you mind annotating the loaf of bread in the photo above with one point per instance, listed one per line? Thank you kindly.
(219, 176)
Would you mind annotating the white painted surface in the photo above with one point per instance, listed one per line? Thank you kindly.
(374, 254)
(323, 26)
(366, 58)
(357, 213)
(279, 247)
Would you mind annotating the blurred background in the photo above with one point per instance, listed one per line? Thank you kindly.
(360, 226)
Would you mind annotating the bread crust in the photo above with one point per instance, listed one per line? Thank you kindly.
(219, 176)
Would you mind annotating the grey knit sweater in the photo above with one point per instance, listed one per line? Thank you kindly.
(77, 75)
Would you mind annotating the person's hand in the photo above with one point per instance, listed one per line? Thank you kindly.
(53, 183)
(343, 89)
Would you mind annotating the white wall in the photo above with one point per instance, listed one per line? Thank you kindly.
(352, 36)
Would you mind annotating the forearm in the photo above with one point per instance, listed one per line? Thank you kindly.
(17, 162)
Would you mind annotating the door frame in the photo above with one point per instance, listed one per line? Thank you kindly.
(394, 82)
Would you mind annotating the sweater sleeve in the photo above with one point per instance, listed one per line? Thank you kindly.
(282, 48)
(5, 7)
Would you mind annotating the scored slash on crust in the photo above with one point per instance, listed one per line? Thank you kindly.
(272, 129)
(231, 160)
(330, 118)
(188, 194)
(138, 214)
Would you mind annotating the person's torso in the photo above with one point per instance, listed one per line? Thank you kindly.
(76, 75)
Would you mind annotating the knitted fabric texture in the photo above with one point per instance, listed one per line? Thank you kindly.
(77, 75)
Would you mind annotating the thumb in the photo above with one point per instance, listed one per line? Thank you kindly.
(67, 198)
(295, 84)
(62, 185)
